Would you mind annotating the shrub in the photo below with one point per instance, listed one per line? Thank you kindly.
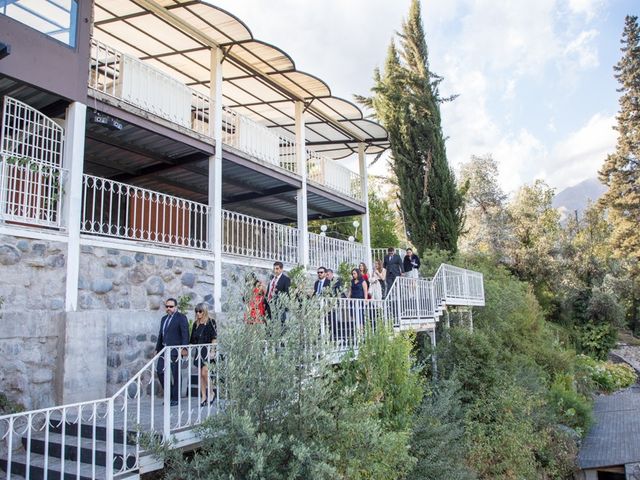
(596, 340)
(606, 376)
(572, 408)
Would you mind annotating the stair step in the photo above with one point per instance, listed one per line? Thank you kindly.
(86, 450)
(86, 431)
(37, 471)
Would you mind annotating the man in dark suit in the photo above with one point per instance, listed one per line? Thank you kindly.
(393, 266)
(174, 330)
(321, 283)
(279, 284)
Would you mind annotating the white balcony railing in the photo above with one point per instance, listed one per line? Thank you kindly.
(31, 191)
(137, 83)
(256, 238)
(262, 143)
(331, 252)
(327, 172)
(454, 284)
(119, 210)
(31, 174)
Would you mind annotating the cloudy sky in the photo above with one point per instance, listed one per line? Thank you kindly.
(534, 77)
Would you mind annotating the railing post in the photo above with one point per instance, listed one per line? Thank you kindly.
(166, 405)
(398, 309)
(364, 179)
(109, 439)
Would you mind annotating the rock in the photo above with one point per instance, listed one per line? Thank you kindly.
(86, 249)
(111, 262)
(41, 376)
(138, 274)
(208, 299)
(151, 259)
(113, 360)
(154, 285)
(22, 245)
(108, 274)
(131, 356)
(113, 251)
(201, 264)
(55, 261)
(188, 279)
(101, 285)
(167, 276)
(155, 302)
(38, 248)
(124, 304)
(83, 283)
(126, 261)
(9, 255)
(139, 257)
(34, 262)
(141, 337)
(85, 301)
(169, 263)
(56, 303)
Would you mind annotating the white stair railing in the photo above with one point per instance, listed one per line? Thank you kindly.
(101, 439)
(458, 286)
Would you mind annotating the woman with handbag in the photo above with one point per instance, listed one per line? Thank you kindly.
(204, 332)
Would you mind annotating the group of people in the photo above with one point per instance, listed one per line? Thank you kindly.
(364, 284)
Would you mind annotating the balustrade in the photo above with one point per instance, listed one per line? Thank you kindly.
(331, 252)
(329, 173)
(257, 238)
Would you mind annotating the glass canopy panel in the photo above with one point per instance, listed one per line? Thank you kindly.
(55, 18)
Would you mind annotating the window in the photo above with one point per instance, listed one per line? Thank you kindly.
(56, 18)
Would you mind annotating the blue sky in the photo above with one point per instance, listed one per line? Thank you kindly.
(535, 77)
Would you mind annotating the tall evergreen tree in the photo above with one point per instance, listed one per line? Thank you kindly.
(406, 101)
(621, 170)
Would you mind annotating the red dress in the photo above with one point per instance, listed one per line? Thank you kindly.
(256, 306)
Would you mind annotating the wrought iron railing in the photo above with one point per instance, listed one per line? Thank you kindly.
(329, 173)
(331, 252)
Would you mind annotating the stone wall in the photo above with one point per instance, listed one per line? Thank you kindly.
(117, 280)
(29, 354)
(32, 274)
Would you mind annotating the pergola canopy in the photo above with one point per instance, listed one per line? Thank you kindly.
(259, 80)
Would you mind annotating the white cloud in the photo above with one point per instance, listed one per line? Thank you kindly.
(582, 51)
(580, 155)
(588, 8)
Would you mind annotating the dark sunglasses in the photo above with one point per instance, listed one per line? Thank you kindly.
(199, 311)
(321, 272)
(170, 306)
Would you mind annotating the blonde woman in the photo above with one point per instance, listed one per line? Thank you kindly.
(204, 331)
(378, 277)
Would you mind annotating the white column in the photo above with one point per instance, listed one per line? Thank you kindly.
(73, 160)
(215, 176)
(301, 156)
(364, 175)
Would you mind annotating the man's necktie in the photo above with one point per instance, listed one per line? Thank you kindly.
(166, 326)
(272, 288)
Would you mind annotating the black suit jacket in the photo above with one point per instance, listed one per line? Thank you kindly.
(177, 332)
(393, 264)
(282, 286)
(326, 285)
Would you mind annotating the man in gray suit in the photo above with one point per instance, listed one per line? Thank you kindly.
(393, 266)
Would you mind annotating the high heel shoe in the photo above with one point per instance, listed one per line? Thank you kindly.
(203, 403)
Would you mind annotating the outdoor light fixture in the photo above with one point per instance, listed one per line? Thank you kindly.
(107, 121)
(352, 238)
(5, 49)
(356, 224)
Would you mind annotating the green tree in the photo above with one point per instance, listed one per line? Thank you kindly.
(383, 221)
(406, 101)
(533, 248)
(621, 170)
(486, 219)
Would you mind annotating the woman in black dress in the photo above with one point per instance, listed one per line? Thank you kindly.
(204, 331)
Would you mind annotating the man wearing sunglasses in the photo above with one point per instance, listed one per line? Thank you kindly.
(321, 283)
(174, 330)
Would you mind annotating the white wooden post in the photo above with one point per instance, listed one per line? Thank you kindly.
(301, 156)
(215, 176)
(73, 160)
(366, 231)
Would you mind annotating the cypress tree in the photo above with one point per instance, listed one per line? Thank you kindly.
(621, 170)
(406, 101)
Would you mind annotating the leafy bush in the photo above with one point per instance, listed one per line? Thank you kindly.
(606, 376)
(572, 408)
(596, 340)
(8, 406)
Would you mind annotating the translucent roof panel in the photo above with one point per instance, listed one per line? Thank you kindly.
(259, 80)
